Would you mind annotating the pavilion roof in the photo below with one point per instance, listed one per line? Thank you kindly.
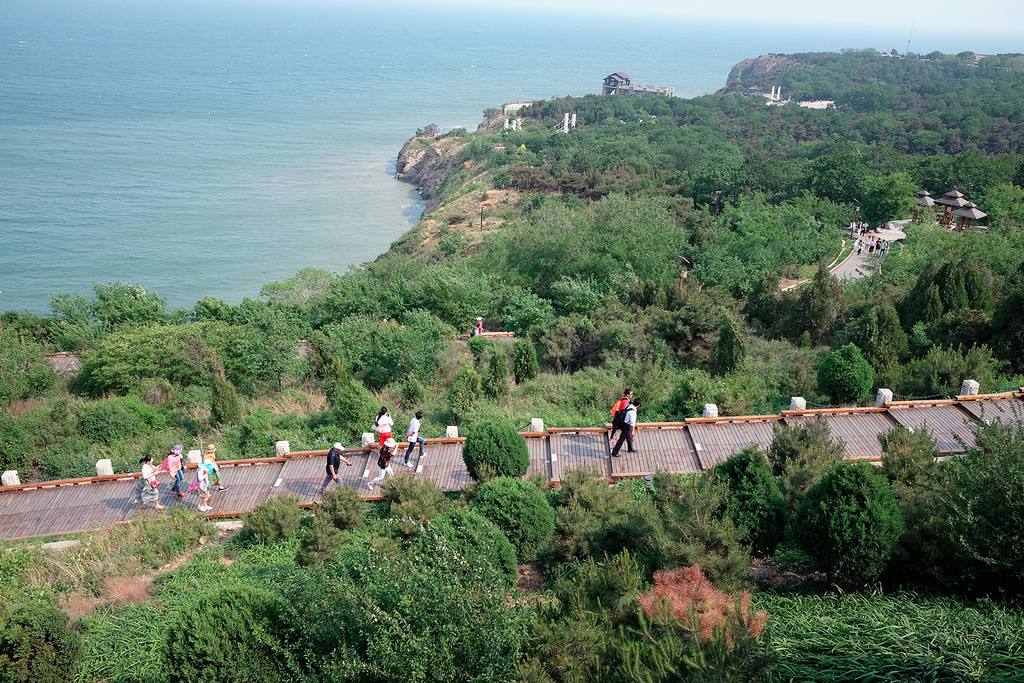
(924, 193)
(952, 201)
(925, 200)
(953, 193)
(970, 212)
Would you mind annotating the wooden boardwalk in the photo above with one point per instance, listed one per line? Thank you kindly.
(74, 505)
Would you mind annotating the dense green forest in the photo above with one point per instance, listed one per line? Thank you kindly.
(646, 248)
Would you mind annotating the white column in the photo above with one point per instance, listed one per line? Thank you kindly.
(536, 425)
(883, 397)
(710, 410)
(104, 467)
(368, 440)
(451, 432)
(282, 448)
(969, 388)
(10, 478)
(797, 403)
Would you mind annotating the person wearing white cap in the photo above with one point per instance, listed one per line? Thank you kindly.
(334, 460)
(384, 462)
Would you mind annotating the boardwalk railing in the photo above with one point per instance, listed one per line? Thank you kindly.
(695, 444)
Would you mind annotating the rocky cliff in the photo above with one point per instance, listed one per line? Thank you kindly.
(755, 70)
(425, 160)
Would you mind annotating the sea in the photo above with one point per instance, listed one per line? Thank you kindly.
(208, 148)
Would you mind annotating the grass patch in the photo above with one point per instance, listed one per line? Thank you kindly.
(144, 543)
(899, 637)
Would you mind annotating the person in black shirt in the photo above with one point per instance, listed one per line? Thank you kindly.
(334, 460)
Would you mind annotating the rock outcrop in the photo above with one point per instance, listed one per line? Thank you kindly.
(752, 71)
(425, 161)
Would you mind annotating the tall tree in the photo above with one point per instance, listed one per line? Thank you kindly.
(820, 303)
(730, 347)
(887, 198)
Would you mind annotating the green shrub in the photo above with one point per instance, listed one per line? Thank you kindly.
(985, 508)
(907, 455)
(232, 634)
(495, 382)
(730, 347)
(320, 542)
(520, 510)
(412, 501)
(480, 346)
(69, 458)
(478, 539)
(845, 375)
(24, 371)
(755, 501)
(800, 455)
(36, 644)
(463, 391)
(850, 523)
(118, 418)
(342, 507)
(524, 361)
(789, 557)
(225, 404)
(494, 449)
(274, 520)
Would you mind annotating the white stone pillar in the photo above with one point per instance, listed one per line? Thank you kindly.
(282, 448)
(10, 478)
(883, 397)
(367, 440)
(536, 425)
(451, 432)
(710, 410)
(104, 467)
(969, 388)
(797, 403)
(195, 457)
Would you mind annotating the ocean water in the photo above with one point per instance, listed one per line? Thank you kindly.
(209, 148)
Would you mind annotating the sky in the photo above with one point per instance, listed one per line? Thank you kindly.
(983, 16)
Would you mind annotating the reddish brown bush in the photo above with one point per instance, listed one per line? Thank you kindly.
(686, 594)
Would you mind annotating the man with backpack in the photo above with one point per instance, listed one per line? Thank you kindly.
(628, 429)
(619, 412)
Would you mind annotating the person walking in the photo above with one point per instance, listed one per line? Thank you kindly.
(210, 460)
(412, 435)
(618, 411)
(384, 462)
(479, 329)
(629, 428)
(334, 459)
(383, 425)
(149, 495)
(176, 469)
(201, 486)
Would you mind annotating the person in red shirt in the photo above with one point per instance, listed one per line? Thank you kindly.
(620, 409)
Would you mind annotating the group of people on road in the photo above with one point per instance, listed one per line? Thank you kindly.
(387, 446)
(873, 244)
(207, 478)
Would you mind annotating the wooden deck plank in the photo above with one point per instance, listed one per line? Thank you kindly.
(667, 449)
(579, 451)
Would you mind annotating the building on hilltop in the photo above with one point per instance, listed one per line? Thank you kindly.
(619, 83)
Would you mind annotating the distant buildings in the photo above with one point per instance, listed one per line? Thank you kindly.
(619, 83)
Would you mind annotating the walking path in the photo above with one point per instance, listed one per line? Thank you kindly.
(74, 505)
(856, 266)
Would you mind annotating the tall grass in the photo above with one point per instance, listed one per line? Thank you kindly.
(144, 543)
(900, 637)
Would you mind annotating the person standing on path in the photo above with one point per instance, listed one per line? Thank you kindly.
(334, 460)
(210, 461)
(383, 425)
(149, 495)
(384, 462)
(201, 486)
(412, 435)
(618, 411)
(629, 428)
(176, 470)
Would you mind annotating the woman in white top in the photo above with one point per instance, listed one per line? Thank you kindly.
(148, 493)
(383, 425)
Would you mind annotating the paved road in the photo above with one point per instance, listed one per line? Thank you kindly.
(857, 266)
